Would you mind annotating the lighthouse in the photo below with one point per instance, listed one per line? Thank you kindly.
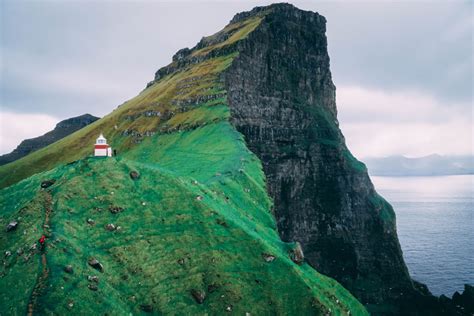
(101, 149)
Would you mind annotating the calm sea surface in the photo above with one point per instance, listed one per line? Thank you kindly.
(435, 226)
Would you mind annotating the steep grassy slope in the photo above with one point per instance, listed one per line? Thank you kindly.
(155, 110)
(169, 242)
(197, 222)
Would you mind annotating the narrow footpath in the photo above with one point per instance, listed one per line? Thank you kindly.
(41, 281)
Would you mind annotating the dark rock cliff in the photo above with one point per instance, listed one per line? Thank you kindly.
(282, 100)
(62, 129)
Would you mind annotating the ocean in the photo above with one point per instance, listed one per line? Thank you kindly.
(435, 227)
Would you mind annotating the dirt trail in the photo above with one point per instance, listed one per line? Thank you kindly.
(40, 285)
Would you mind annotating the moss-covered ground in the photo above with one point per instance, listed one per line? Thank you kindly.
(197, 219)
(203, 227)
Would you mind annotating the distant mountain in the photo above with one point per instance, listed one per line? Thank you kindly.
(62, 129)
(432, 165)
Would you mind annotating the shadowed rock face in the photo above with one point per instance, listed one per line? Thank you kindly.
(282, 99)
(62, 129)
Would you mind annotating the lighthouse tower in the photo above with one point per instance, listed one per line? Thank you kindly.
(101, 149)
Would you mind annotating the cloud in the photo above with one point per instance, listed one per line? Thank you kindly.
(17, 127)
(377, 123)
(70, 58)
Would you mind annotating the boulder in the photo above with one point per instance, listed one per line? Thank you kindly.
(92, 287)
(296, 254)
(93, 278)
(90, 221)
(199, 296)
(134, 175)
(212, 287)
(147, 308)
(12, 226)
(115, 209)
(110, 227)
(68, 269)
(93, 262)
(222, 222)
(47, 183)
(268, 257)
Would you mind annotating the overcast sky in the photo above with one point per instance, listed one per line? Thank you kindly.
(403, 71)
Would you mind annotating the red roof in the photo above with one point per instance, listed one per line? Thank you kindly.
(101, 146)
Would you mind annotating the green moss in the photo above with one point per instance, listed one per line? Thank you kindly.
(238, 31)
(169, 242)
(129, 116)
(353, 162)
(383, 207)
(199, 216)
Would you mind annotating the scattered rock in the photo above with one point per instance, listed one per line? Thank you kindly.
(147, 308)
(93, 262)
(33, 247)
(134, 175)
(90, 221)
(68, 269)
(19, 251)
(222, 222)
(199, 198)
(212, 287)
(199, 296)
(115, 209)
(92, 287)
(110, 227)
(47, 183)
(12, 226)
(8, 253)
(268, 257)
(93, 278)
(228, 308)
(296, 254)
(181, 261)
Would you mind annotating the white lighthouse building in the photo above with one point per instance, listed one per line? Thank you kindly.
(101, 149)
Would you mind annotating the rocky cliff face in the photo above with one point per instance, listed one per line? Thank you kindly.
(282, 99)
(62, 129)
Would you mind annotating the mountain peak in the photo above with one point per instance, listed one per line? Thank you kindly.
(275, 8)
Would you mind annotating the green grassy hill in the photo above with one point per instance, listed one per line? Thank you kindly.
(193, 234)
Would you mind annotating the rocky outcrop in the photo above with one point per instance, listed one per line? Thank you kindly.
(282, 100)
(62, 129)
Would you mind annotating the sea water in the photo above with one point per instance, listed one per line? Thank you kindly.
(435, 227)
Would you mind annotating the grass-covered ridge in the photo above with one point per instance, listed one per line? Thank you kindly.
(152, 112)
(196, 221)
(169, 242)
